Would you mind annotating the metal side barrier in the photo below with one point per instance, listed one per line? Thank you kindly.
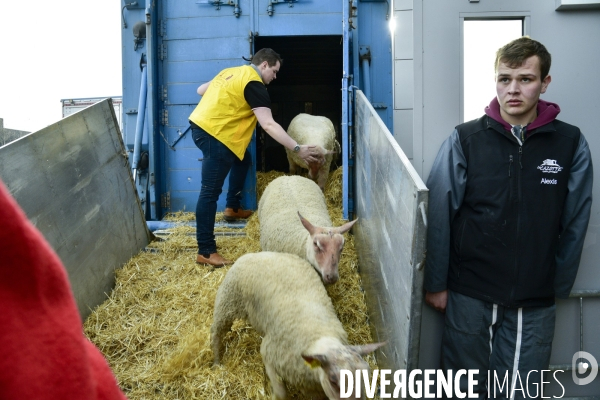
(73, 181)
(391, 206)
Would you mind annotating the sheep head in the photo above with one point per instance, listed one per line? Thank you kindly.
(336, 358)
(324, 248)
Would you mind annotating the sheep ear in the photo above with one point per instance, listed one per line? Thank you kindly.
(367, 348)
(337, 148)
(309, 227)
(346, 227)
(315, 360)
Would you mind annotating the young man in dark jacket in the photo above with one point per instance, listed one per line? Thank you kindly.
(509, 204)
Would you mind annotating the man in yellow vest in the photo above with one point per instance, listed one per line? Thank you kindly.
(222, 125)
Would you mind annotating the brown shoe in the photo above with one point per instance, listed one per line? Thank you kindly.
(214, 259)
(231, 214)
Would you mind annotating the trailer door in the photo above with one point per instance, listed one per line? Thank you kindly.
(195, 41)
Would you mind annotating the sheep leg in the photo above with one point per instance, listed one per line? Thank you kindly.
(279, 391)
(224, 316)
(322, 178)
(292, 164)
(216, 333)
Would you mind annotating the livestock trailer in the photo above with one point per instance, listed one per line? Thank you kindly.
(393, 76)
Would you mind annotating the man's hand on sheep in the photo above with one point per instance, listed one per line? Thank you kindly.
(311, 154)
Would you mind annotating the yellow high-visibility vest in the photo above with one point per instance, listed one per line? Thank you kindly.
(223, 111)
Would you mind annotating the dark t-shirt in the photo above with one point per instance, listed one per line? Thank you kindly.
(256, 95)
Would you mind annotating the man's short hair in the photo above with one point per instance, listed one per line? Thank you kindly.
(516, 52)
(267, 55)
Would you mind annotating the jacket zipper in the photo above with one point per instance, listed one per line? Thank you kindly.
(516, 266)
(520, 155)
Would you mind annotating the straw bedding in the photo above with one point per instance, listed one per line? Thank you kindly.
(154, 328)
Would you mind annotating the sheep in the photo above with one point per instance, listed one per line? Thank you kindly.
(293, 218)
(303, 342)
(316, 130)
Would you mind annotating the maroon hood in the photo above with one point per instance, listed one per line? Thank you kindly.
(546, 112)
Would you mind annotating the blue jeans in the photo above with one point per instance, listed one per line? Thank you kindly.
(504, 341)
(217, 162)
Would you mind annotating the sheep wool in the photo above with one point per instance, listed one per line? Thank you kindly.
(315, 130)
(280, 226)
(282, 297)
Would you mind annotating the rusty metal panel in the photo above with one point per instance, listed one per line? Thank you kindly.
(73, 181)
(391, 204)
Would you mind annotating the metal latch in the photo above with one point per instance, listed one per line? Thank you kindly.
(162, 52)
(165, 201)
(237, 11)
(272, 3)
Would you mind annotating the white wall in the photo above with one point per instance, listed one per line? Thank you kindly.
(427, 94)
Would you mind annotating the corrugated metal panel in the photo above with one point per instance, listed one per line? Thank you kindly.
(78, 191)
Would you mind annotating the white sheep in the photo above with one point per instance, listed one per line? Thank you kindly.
(304, 344)
(294, 219)
(315, 130)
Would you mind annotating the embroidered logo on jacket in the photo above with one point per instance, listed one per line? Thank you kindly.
(549, 181)
(550, 166)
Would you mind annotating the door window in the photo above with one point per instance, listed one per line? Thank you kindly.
(481, 39)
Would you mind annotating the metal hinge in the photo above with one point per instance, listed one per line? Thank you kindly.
(379, 106)
(162, 51)
(272, 3)
(163, 93)
(165, 201)
(164, 117)
(162, 28)
(237, 11)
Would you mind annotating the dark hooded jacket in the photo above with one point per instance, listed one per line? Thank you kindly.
(507, 218)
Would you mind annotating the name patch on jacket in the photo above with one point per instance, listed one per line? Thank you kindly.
(549, 181)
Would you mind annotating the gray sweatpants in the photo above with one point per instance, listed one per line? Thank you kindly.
(510, 346)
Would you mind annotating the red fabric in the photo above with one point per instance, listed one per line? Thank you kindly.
(44, 354)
